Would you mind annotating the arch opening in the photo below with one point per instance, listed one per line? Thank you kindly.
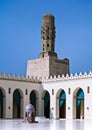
(34, 100)
(46, 104)
(17, 104)
(2, 103)
(78, 102)
(61, 104)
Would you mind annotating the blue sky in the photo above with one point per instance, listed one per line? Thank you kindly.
(20, 32)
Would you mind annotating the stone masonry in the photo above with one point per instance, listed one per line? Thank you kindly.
(48, 63)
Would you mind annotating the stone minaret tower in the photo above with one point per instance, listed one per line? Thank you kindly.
(48, 36)
(47, 64)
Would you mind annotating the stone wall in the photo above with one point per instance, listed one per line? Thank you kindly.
(47, 66)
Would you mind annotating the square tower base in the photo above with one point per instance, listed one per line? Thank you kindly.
(47, 66)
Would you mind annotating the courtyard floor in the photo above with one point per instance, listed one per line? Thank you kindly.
(45, 124)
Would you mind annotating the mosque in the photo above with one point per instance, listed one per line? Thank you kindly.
(48, 85)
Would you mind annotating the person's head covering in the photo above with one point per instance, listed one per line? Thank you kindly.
(29, 108)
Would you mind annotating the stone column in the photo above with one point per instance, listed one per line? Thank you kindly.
(40, 106)
(53, 107)
(26, 101)
(8, 106)
(69, 106)
(82, 110)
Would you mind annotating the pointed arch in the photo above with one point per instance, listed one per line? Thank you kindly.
(46, 103)
(33, 99)
(61, 104)
(17, 103)
(78, 104)
(2, 102)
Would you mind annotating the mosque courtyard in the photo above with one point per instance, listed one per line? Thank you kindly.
(45, 124)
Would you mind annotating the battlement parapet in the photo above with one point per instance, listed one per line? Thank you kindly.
(45, 79)
(67, 77)
(15, 77)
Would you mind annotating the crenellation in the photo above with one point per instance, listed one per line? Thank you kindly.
(71, 75)
(63, 76)
(55, 77)
(43, 78)
(67, 77)
(19, 76)
(46, 79)
(85, 74)
(10, 76)
(76, 75)
(59, 77)
(90, 73)
(5, 76)
(23, 77)
(40, 79)
(80, 74)
(51, 77)
(15, 77)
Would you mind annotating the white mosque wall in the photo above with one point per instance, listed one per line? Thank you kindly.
(13, 84)
(73, 83)
(70, 85)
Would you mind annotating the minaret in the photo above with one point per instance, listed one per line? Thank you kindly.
(48, 63)
(48, 36)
